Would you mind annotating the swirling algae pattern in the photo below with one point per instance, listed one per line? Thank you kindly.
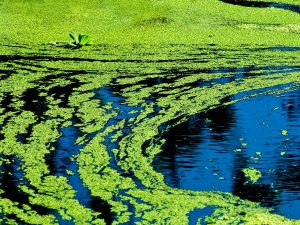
(117, 102)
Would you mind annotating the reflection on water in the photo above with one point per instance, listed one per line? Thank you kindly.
(263, 4)
(209, 151)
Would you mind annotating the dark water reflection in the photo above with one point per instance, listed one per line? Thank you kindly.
(262, 4)
(208, 151)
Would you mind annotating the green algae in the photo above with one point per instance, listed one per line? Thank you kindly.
(284, 132)
(123, 175)
(252, 174)
(282, 153)
(94, 161)
(187, 21)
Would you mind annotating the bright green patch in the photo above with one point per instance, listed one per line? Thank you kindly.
(252, 174)
(258, 154)
(186, 21)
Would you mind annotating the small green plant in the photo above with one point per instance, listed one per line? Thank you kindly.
(80, 40)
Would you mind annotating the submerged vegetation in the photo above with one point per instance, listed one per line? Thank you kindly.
(79, 130)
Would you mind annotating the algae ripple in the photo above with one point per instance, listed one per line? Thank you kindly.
(119, 101)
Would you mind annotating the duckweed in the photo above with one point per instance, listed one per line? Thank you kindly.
(120, 99)
(252, 174)
(112, 144)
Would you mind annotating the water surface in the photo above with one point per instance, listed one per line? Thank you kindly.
(79, 130)
(208, 151)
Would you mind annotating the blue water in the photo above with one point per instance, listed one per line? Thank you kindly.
(209, 151)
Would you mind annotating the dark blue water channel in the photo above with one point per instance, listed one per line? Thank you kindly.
(209, 151)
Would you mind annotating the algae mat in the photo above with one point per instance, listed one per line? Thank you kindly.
(79, 131)
(227, 22)
(80, 128)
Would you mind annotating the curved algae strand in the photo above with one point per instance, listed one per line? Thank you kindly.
(121, 173)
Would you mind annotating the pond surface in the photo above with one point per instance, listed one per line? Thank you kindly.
(148, 134)
(209, 151)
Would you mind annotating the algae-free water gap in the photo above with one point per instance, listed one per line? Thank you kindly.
(209, 151)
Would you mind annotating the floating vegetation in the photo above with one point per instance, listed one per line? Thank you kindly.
(282, 153)
(252, 174)
(116, 110)
(258, 154)
(80, 130)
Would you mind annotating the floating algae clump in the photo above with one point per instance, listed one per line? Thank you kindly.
(284, 132)
(252, 174)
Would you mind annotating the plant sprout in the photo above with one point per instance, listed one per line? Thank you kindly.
(80, 40)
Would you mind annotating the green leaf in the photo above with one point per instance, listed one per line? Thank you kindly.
(284, 132)
(84, 39)
(74, 36)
